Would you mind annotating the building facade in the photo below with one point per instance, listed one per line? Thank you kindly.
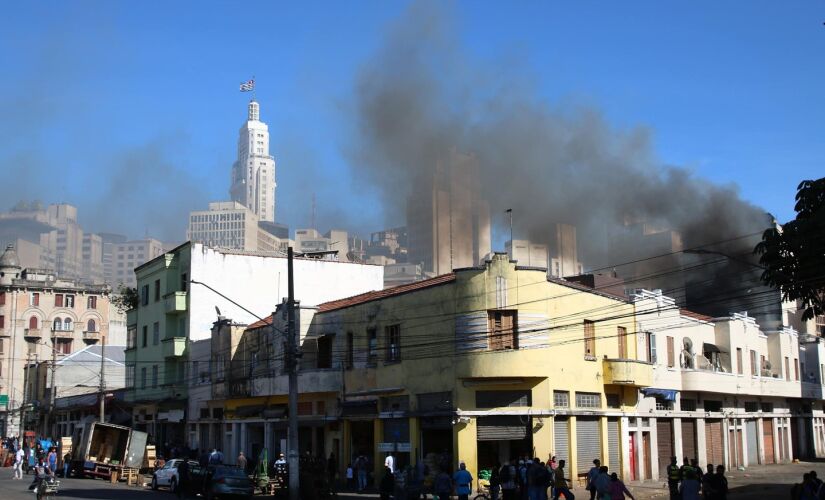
(122, 257)
(253, 174)
(42, 317)
(231, 225)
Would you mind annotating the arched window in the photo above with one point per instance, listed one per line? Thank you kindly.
(33, 323)
(58, 325)
(67, 324)
(90, 326)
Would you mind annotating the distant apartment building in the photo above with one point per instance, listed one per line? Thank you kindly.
(42, 316)
(526, 253)
(391, 243)
(128, 255)
(448, 221)
(231, 225)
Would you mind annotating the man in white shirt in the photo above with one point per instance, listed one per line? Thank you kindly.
(18, 464)
(389, 462)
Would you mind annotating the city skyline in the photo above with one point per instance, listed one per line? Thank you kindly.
(310, 118)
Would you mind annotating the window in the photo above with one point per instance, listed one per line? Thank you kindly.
(688, 404)
(588, 400)
(325, 351)
(91, 302)
(350, 350)
(502, 328)
(393, 334)
(670, 353)
(64, 346)
(58, 300)
(372, 345)
(2, 321)
(157, 290)
(69, 300)
(763, 364)
(787, 368)
(767, 407)
(739, 360)
(144, 295)
(143, 378)
(184, 282)
(131, 337)
(2, 298)
(713, 405)
(589, 339)
(754, 371)
(650, 344)
(155, 333)
(145, 336)
(34, 299)
(622, 336)
(67, 324)
(561, 399)
(503, 399)
(751, 406)
(613, 401)
(663, 405)
(130, 376)
(33, 323)
(91, 326)
(819, 324)
(2, 346)
(796, 369)
(154, 376)
(57, 325)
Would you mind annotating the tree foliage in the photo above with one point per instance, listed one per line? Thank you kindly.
(126, 298)
(793, 255)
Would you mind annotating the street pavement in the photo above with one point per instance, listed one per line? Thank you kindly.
(759, 482)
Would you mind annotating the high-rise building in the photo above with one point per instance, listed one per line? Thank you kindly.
(127, 255)
(448, 222)
(527, 253)
(253, 174)
(230, 225)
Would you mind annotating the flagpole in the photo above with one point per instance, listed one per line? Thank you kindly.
(253, 87)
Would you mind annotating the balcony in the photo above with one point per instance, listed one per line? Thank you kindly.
(91, 336)
(629, 372)
(175, 302)
(62, 334)
(33, 333)
(173, 347)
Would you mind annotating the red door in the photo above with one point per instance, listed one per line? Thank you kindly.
(634, 466)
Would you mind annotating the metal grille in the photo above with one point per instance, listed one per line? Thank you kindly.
(613, 450)
(689, 438)
(588, 442)
(753, 452)
(664, 443)
(688, 404)
(561, 439)
(501, 428)
(561, 399)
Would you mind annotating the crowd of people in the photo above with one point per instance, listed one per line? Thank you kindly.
(688, 482)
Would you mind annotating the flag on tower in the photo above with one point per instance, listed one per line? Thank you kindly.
(248, 86)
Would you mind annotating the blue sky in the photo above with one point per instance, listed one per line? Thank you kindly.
(131, 110)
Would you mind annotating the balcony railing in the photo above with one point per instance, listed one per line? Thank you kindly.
(62, 334)
(173, 347)
(629, 372)
(175, 302)
(33, 333)
(91, 335)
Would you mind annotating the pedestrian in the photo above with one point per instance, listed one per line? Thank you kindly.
(387, 484)
(242, 462)
(52, 460)
(591, 478)
(690, 481)
(389, 462)
(361, 470)
(602, 484)
(442, 486)
(674, 476)
(561, 483)
(18, 464)
(463, 482)
(707, 490)
(523, 465)
(618, 489)
(719, 484)
(184, 478)
(214, 457)
(507, 478)
(332, 469)
(495, 481)
(350, 478)
(67, 464)
(536, 480)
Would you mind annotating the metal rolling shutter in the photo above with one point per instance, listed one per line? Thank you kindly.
(767, 433)
(588, 443)
(561, 439)
(613, 450)
(713, 439)
(664, 445)
(689, 438)
(753, 439)
(501, 428)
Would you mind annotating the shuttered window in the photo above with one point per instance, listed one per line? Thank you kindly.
(502, 428)
(561, 438)
(796, 369)
(670, 354)
(622, 336)
(499, 399)
(589, 339)
(503, 330)
(787, 369)
(739, 369)
(754, 371)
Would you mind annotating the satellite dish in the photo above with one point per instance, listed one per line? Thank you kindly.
(217, 310)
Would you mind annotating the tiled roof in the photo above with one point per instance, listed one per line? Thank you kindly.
(387, 292)
(585, 288)
(695, 315)
(262, 322)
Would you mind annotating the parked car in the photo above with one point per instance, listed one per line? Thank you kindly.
(168, 474)
(223, 481)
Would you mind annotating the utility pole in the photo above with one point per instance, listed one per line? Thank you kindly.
(53, 391)
(509, 212)
(102, 378)
(292, 367)
(25, 392)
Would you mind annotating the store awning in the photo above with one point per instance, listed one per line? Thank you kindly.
(706, 347)
(663, 394)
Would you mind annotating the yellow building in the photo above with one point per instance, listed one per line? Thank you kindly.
(483, 365)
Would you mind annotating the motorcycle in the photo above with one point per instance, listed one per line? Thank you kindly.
(47, 488)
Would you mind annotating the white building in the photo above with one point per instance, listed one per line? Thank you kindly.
(231, 225)
(121, 259)
(527, 253)
(253, 174)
